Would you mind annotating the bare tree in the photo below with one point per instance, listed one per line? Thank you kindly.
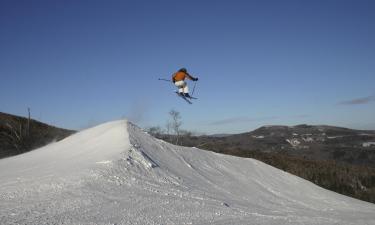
(155, 131)
(15, 135)
(175, 123)
(168, 126)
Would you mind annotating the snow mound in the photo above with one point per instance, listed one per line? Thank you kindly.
(117, 174)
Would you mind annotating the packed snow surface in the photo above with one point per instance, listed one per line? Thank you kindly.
(117, 174)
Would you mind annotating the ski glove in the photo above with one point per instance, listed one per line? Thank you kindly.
(195, 79)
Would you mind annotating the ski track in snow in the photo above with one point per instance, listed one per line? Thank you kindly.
(117, 174)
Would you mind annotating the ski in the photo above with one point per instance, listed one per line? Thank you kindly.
(183, 97)
(191, 97)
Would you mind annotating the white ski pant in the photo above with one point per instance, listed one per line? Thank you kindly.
(182, 86)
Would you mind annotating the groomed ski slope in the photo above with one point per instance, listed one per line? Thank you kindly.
(117, 174)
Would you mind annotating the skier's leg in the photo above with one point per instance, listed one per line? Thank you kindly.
(181, 85)
(186, 91)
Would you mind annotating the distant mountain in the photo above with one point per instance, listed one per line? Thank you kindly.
(316, 142)
(310, 142)
(220, 135)
(19, 135)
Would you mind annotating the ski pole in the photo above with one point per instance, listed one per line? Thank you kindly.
(192, 93)
(164, 79)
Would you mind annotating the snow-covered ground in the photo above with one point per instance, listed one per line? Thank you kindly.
(368, 144)
(258, 137)
(117, 174)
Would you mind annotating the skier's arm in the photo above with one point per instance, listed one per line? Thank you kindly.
(191, 77)
(173, 77)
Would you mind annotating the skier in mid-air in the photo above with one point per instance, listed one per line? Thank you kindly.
(178, 79)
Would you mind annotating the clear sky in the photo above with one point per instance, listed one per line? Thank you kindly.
(79, 63)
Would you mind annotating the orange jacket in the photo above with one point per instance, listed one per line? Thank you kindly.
(181, 76)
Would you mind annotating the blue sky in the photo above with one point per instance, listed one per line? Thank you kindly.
(80, 63)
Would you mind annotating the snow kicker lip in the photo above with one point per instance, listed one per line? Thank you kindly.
(136, 155)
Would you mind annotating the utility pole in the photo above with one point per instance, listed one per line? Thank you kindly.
(28, 123)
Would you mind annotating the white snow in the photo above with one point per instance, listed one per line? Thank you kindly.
(334, 137)
(368, 144)
(293, 142)
(117, 174)
(308, 139)
(258, 137)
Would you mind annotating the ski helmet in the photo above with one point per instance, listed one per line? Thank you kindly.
(183, 70)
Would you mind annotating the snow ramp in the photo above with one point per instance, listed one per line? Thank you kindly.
(117, 174)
